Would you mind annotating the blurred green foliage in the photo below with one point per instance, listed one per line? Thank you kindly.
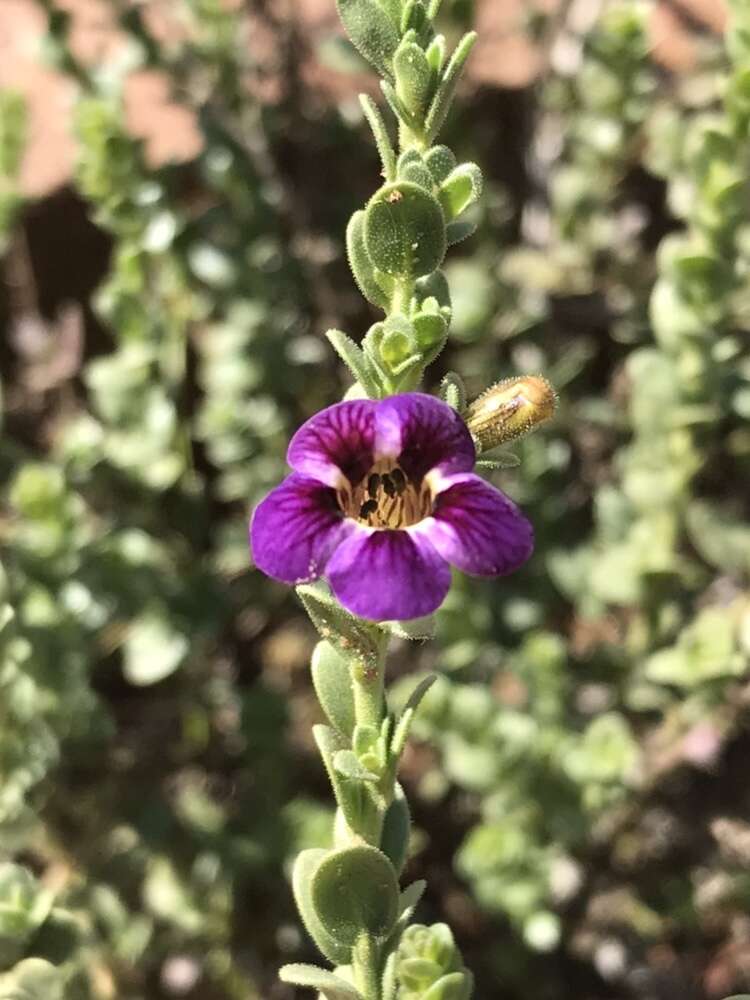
(582, 772)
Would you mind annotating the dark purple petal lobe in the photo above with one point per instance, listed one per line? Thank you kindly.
(295, 529)
(423, 433)
(338, 440)
(387, 575)
(477, 528)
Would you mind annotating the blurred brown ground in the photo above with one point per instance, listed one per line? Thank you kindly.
(504, 57)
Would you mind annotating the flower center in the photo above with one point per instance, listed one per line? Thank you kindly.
(385, 498)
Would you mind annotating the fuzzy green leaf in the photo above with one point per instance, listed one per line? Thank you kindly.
(355, 360)
(413, 78)
(460, 189)
(414, 18)
(354, 891)
(417, 173)
(348, 765)
(441, 162)
(361, 266)
(304, 867)
(446, 90)
(352, 796)
(457, 232)
(394, 841)
(371, 31)
(330, 986)
(380, 132)
(405, 231)
(333, 686)
(435, 54)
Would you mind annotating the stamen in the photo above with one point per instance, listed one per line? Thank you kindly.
(386, 499)
(398, 479)
(388, 485)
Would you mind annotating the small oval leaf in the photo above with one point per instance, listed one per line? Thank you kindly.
(405, 231)
(355, 890)
(304, 867)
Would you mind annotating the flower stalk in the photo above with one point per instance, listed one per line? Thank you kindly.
(382, 500)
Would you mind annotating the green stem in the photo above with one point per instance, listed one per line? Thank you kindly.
(368, 683)
(365, 964)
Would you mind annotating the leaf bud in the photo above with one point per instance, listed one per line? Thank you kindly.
(428, 965)
(398, 341)
(509, 409)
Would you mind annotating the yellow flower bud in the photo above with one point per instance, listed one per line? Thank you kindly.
(509, 409)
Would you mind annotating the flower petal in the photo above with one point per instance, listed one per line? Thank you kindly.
(477, 528)
(388, 575)
(336, 443)
(422, 433)
(295, 529)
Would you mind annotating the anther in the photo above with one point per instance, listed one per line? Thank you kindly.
(388, 485)
(398, 479)
(372, 485)
(368, 507)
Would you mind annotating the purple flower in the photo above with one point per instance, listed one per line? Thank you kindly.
(382, 498)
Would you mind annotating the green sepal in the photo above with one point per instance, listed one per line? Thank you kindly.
(446, 90)
(333, 686)
(304, 866)
(460, 189)
(405, 231)
(415, 629)
(394, 840)
(453, 391)
(457, 232)
(355, 360)
(355, 891)
(372, 32)
(380, 132)
(503, 460)
(329, 986)
(358, 641)
(413, 78)
(441, 162)
(361, 266)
